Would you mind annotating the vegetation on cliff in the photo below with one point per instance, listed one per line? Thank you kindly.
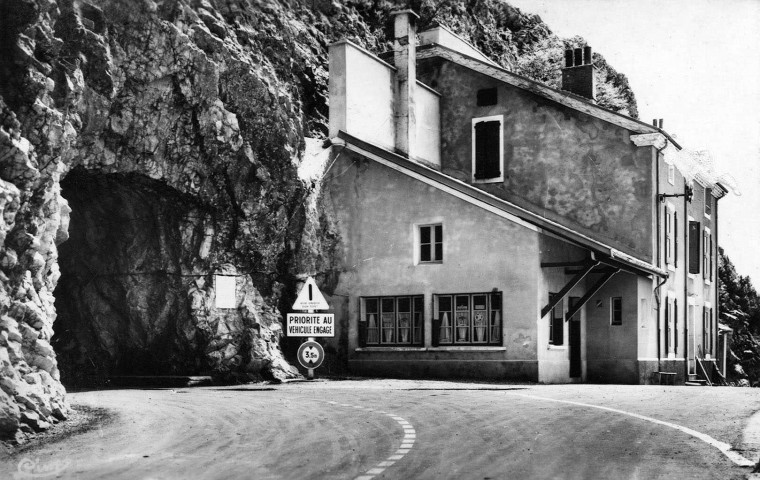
(740, 311)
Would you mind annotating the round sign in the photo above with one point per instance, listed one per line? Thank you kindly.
(311, 354)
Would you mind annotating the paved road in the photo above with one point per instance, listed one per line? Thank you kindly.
(404, 430)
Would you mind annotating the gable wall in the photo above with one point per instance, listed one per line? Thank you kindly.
(570, 167)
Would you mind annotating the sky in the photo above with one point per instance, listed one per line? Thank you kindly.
(695, 64)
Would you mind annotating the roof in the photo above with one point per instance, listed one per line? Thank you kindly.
(504, 208)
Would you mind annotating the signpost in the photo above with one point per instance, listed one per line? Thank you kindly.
(310, 325)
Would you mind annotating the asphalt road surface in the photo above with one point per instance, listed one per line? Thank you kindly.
(403, 430)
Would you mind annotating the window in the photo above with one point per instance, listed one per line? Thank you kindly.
(431, 243)
(616, 311)
(557, 323)
(468, 318)
(694, 239)
(708, 201)
(675, 239)
(487, 148)
(487, 96)
(391, 321)
(669, 235)
(707, 254)
(671, 174)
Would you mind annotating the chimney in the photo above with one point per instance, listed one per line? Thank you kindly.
(405, 61)
(578, 74)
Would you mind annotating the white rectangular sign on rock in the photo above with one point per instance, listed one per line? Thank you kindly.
(224, 288)
(310, 325)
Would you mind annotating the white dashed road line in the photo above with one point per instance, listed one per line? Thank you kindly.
(725, 448)
(410, 436)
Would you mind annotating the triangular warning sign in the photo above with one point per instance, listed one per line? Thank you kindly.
(310, 298)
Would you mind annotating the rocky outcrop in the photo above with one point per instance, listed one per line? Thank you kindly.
(146, 146)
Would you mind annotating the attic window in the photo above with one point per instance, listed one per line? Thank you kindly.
(487, 149)
(486, 97)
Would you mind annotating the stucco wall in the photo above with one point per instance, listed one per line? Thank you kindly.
(378, 209)
(554, 361)
(361, 95)
(574, 169)
(612, 350)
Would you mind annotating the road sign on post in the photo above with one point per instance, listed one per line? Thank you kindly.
(310, 355)
(311, 325)
(310, 298)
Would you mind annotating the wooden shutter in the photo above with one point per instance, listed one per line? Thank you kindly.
(487, 150)
(668, 235)
(695, 238)
(675, 325)
(667, 326)
(708, 201)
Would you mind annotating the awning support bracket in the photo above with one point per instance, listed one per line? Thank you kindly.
(566, 289)
(592, 291)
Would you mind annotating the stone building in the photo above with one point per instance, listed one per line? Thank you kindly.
(493, 227)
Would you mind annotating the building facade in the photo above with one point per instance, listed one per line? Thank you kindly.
(493, 227)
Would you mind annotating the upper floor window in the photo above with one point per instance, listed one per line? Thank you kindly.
(707, 267)
(487, 96)
(671, 236)
(694, 251)
(671, 174)
(431, 243)
(488, 149)
(708, 201)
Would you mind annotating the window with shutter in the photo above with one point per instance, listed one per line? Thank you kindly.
(675, 326)
(487, 149)
(675, 239)
(708, 201)
(694, 241)
(667, 326)
(668, 236)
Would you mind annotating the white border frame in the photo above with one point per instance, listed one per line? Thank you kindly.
(500, 119)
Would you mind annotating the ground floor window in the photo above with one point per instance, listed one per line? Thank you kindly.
(557, 322)
(616, 310)
(391, 321)
(468, 318)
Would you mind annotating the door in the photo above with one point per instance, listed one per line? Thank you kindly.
(575, 348)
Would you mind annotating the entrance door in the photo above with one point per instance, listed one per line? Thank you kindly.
(575, 348)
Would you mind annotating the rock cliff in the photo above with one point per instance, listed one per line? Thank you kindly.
(146, 146)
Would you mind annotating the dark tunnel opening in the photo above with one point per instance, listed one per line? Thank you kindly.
(122, 301)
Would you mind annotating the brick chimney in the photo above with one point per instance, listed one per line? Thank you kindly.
(405, 61)
(578, 74)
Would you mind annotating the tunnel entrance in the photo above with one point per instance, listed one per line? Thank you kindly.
(122, 298)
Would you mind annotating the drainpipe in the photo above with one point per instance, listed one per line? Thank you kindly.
(685, 222)
(659, 260)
